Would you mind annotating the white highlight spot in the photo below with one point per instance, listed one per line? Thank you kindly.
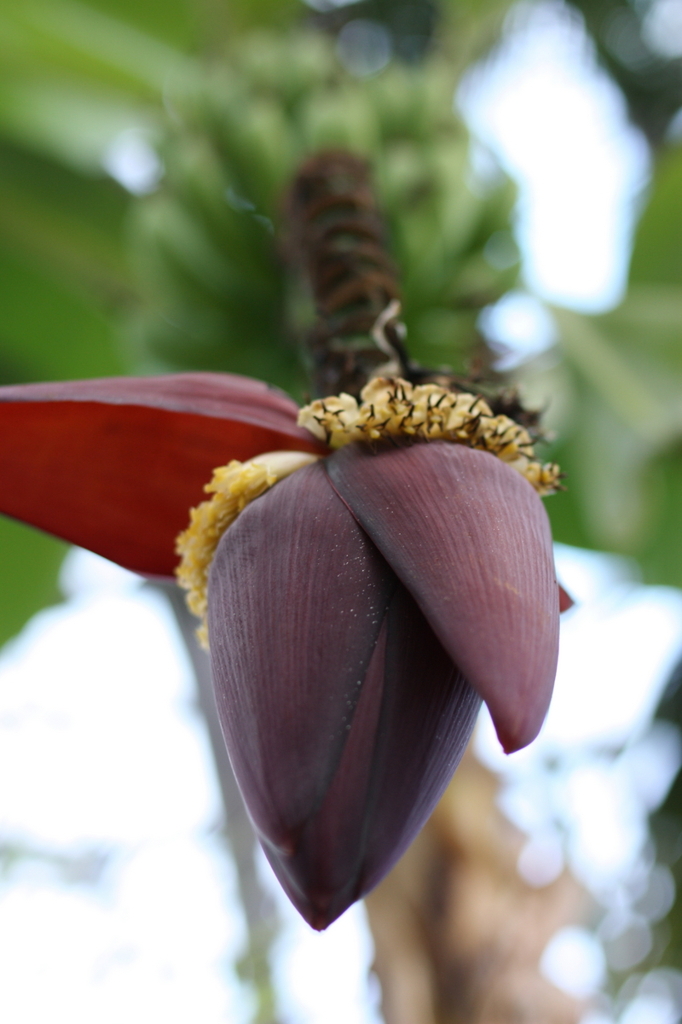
(574, 962)
(541, 861)
(364, 47)
(518, 327)
(133, 162)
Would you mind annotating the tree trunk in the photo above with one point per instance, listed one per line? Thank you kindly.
(458, 933)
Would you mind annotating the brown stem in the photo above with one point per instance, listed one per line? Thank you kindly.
(337, 239)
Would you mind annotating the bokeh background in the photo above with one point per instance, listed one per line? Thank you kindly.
(528, 159)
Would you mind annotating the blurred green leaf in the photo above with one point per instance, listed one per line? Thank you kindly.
(49, 332)
(617, 379)
(607, 464)
(648, 324)
(72, 39)
(657, 252)
(66, 123)
(245, 15)
(73, 224)
(176, 22)
(660, 554)
(29, 563)
(620, 424)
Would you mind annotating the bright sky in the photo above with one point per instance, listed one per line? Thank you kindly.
(558, 126)
(124, 908)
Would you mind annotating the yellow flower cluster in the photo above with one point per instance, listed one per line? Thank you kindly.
(392, 407)
(389, 408)
(233, 487)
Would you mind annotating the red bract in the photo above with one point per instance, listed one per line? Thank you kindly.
(358, 611)
(114, 465)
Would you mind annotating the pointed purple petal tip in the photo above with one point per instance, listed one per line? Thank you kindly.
(470, 539)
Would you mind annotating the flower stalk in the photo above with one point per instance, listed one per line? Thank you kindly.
(336, 240)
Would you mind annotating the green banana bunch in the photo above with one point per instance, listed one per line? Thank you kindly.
(208, 244)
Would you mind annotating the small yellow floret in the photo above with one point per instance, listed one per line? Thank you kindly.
(233, 487)
(392, 407)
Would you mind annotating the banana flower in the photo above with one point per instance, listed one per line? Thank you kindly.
(358, 611)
